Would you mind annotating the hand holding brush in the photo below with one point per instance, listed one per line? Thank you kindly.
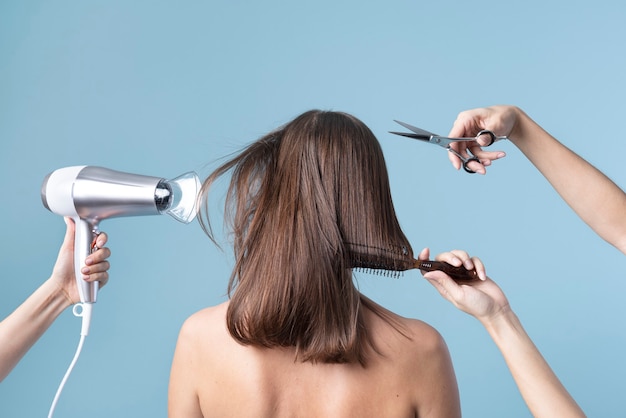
(395, 260)
(459, 270)
(541, 389)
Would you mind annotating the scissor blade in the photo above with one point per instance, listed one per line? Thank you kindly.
(412, 135)
(416, 130)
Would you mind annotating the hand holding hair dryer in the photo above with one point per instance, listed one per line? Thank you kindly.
(89, 194)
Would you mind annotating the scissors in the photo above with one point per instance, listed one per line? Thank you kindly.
(445, 142)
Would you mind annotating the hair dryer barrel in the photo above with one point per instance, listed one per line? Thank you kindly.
(96, 193)
(90, 194)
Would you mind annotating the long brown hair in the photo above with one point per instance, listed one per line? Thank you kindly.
(297, 197)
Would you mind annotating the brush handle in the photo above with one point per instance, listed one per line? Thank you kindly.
(459, 274)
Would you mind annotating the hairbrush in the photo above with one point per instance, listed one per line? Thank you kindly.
(394, 260)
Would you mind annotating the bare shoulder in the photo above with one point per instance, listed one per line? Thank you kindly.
(211, 315)
(206, 325)
(424, 335)
(407, 334)
(419, 358)
(426, 349)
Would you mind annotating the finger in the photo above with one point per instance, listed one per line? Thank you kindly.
(484, 156)
(484, 140)
(457, 258)
(461, 152)
(460, 125)
(463, 148)
(98, 256)
(442, 291)
(482, 153)
(102, 278)
(456, 161)
(458, 129)
(465, 257)
(68, 239)
(480, 268)
(102, 239)
(96, 268)
(447, 287)
(98, 272)
(472, 163)
(436, 283)
(476, 167)
(452, 258)
(424, 254)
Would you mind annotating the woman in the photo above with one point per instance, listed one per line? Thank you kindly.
(296, 337)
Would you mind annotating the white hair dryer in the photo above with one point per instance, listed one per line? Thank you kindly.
(89, 194)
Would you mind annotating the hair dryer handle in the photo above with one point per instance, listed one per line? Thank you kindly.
(84, 244)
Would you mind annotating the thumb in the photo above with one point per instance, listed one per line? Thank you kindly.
(447, 287)
(424, 254)
(68, 239)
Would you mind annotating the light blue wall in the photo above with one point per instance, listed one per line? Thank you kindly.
(160, 88)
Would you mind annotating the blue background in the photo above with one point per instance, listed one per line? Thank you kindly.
(161, 88)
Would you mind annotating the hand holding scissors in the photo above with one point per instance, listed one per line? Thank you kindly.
(472, 150)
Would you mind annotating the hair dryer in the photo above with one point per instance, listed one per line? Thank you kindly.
(89, 194)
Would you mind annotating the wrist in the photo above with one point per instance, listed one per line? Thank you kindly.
(520, 127)
(501, 321)
(56, 294)
(526, 134)
(506, 330)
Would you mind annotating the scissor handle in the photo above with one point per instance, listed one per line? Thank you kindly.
(493, 137)
(464, 160)
(487, 132)
(466, 168)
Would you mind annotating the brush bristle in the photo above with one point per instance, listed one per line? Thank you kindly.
(389, 262)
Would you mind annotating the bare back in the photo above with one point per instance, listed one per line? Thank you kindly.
(214, 376)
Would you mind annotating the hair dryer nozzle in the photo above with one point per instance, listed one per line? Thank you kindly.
(178, 197)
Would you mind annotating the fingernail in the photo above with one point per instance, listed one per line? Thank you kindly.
(85, 270)
(501, 154)
(468, 264)
(85, 276)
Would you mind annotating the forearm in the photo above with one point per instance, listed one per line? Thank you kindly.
(593, 196)
(22, 328)
(540, 387)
